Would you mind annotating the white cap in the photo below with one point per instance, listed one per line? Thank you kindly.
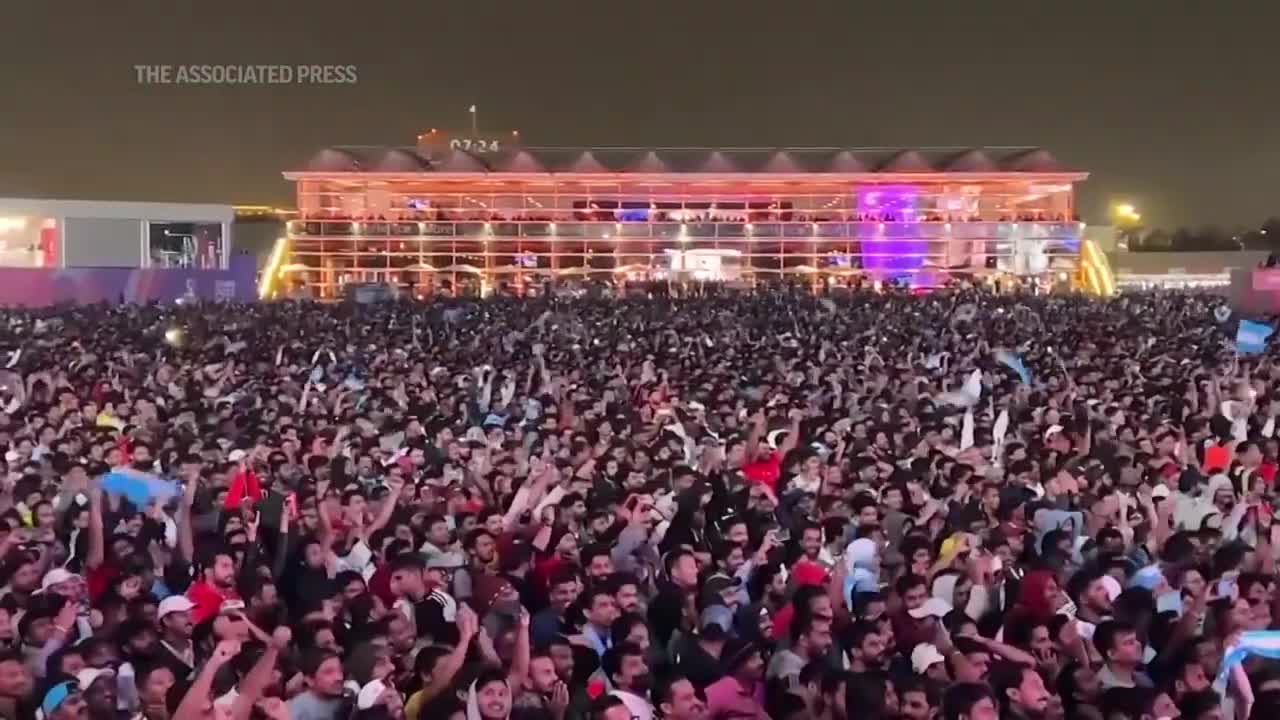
(1112, 585)
(935, 607)
(1159, 491)
(56, 576)
(925, 656)
(89, 676)
(1053, 430)
(174, 604)
(231, 605)
(369, 694)
(236, 455)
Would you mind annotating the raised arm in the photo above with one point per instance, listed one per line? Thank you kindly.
(448, 666)
(520, 654)
(793, 434)
(255, 682)
(186, 541)
(196, 700)
(387, 510)
(97, 543)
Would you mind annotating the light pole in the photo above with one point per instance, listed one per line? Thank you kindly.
(1128, 222)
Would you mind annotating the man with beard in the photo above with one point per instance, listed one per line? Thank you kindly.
(482, 551)
(678, 699)
(810, 640)
(325, 678)
(1088, 589)
(626, 592)
(176, 649)
(865, 646)
(625, 666)
(141, 648)
(1020, 689)
(545, 696)
(916, 699)
(215, 586)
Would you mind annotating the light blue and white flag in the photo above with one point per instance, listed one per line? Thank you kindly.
(138, 487)
(1265, 643)
(1014, 363)
(1251, 337)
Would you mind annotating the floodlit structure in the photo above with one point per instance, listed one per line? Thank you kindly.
(474, 215)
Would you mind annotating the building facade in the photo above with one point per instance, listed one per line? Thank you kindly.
(482, 216)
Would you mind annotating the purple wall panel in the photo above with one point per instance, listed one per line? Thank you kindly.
(36, 287)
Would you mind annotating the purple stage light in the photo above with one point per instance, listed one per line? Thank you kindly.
(894, 247)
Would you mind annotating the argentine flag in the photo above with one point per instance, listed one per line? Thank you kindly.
(1251, 337)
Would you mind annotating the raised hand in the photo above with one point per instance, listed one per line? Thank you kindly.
(224, 652)
(281, 637)
(468, 622)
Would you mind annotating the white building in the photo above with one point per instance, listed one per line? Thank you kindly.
(88, 233)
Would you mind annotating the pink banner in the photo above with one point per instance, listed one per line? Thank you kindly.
(1266, 280)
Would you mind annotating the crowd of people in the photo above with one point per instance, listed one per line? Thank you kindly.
(731, 507)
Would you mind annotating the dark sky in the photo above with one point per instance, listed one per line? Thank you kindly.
(1171, 105)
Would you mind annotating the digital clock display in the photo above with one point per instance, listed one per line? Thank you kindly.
(477, 144)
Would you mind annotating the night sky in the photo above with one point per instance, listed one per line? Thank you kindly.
(1172, 105)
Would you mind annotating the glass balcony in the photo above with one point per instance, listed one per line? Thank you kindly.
(1066, 232)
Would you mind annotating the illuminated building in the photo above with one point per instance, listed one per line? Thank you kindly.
(480, 214)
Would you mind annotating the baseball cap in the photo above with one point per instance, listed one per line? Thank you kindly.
(56, 576)
(933, 607)
(925, 656)
(716, 616)
(174, 604)
(236, 455)
(808, 573)
(231, 606)
(715, 585)
(89, 676)
(369, 694)
(56, 695)
(737, 651)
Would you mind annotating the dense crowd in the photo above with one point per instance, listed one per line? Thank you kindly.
(729, 507)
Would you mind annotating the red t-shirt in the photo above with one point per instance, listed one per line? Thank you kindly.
(765, 471)
(1267, 471)
(98, 579)
(1217, 458)
(208, 600)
